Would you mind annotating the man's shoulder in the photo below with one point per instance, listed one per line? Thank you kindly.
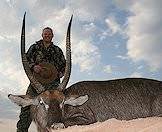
(56, 47)
(37, 44)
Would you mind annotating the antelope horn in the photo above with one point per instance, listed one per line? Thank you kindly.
(65, 80)
(39, 88)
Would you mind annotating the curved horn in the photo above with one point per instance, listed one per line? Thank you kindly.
(39, 88)
(62, 86)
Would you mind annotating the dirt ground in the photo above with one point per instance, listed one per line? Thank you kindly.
(111, 125)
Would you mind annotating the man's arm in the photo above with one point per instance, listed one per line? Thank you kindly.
(33, 67)
(61, 62)
(30, 56)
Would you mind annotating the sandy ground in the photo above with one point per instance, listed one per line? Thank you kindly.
(112, 125)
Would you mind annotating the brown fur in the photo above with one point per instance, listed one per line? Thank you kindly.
(53, 94)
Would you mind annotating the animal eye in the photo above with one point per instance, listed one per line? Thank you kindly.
(41, 102)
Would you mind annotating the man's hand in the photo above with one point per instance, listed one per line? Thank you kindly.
(37, 68)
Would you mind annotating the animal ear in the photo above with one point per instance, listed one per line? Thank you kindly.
(21, 100)
(76, 101)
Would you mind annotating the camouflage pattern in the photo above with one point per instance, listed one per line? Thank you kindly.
(36, 54)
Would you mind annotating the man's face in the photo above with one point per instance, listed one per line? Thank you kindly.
(47, 35)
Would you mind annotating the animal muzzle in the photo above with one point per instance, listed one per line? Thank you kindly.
(55, 126)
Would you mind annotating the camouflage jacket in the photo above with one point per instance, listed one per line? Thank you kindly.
(53, 54)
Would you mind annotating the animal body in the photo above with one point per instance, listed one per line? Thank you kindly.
(88, 101)
(122, 99)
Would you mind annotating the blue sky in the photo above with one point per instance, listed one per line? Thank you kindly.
(110, 38)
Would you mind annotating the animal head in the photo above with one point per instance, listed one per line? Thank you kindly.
(48, 107)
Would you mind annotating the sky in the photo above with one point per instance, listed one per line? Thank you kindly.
(111, 39)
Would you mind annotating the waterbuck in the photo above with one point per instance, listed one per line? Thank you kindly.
(87, 102)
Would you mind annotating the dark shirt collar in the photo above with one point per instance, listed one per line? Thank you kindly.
(40, 42)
